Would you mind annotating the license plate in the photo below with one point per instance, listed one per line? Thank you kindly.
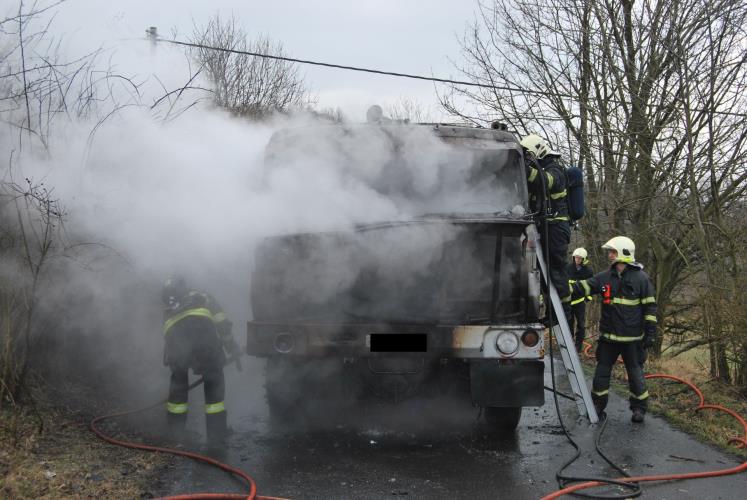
(398, 342)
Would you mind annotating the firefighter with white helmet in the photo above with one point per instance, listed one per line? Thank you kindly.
(627, 325)
(579, 269)
(545, 172)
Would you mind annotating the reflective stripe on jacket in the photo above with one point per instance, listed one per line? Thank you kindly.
(195, 311)
(630, 311)
(555, 183)
(199, 304)
(577, 273)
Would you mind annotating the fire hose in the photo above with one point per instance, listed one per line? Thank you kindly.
(251, 485)
(740, 442)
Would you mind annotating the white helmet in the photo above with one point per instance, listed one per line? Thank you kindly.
(625, 249)
(580, 252)
(535, 145)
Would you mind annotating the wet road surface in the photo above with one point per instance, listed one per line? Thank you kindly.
(437, 449)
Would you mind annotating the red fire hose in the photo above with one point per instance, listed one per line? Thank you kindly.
(740, 441)
(251, 495)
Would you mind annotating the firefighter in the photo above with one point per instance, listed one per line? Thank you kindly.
(196, 333)
(543, 162)
(627, 325)
(579, 269)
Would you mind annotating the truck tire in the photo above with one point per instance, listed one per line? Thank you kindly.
(280, 391)
(503, 419)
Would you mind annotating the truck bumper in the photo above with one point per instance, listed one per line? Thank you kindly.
(372, 340)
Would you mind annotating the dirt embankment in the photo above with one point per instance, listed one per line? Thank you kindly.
(50, 453)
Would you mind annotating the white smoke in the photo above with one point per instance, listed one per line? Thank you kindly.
(147, 196)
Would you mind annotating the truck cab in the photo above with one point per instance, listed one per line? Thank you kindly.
(441, 297)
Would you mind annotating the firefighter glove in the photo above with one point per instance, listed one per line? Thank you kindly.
(648, 341)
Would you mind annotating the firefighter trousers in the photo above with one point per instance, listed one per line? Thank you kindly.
(215, 411)
(556, 249)
(607, 354)
(578, 316)
(193, 343)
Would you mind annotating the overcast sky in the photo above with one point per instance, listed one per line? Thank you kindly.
(408, 36)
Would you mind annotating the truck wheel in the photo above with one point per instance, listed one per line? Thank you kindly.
(280, 389)
(503, 419)
(282, 409)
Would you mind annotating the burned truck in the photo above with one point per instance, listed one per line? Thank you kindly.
(437, 292)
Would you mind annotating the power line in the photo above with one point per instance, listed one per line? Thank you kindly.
(153, 37)
(353, 68)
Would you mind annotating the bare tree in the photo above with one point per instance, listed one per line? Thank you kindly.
(30, 230)
(648, 98)
(37, 87)
(247, 85)
(410, 110)
(334, 115)
(38, 91)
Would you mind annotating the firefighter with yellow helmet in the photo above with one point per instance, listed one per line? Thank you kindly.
(627, 324)
(579, 269)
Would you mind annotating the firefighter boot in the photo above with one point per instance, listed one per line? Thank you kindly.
(599, 407)
(638, 415)
(217, 429)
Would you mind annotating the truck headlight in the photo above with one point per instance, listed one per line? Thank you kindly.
(284, 342)
(507, 343)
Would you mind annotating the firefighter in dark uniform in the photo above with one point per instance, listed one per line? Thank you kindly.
(627, 325)
(196, 332)
(543, 169)
(578, 270)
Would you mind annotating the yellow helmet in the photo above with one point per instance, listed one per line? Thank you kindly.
(535, 145)
(625, 249)
(580, 252)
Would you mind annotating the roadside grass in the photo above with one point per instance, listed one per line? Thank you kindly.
(677, 402)
(49, 453)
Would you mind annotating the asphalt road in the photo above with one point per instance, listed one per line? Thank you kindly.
(438, 449)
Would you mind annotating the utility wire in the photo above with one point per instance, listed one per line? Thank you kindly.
(354, 68)
(155, 38)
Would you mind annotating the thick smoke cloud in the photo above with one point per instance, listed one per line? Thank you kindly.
(151, 192)
(197, 194)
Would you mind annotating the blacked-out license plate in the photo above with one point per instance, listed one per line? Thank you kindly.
(398, 342)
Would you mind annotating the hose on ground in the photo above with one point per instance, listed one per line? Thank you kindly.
(740, 441)
(251, 495)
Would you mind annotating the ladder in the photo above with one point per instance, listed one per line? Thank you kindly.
(564, 337)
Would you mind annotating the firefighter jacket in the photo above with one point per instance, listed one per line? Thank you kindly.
(628, 303)
(578, 273)
(556, 184)
(196, 303)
